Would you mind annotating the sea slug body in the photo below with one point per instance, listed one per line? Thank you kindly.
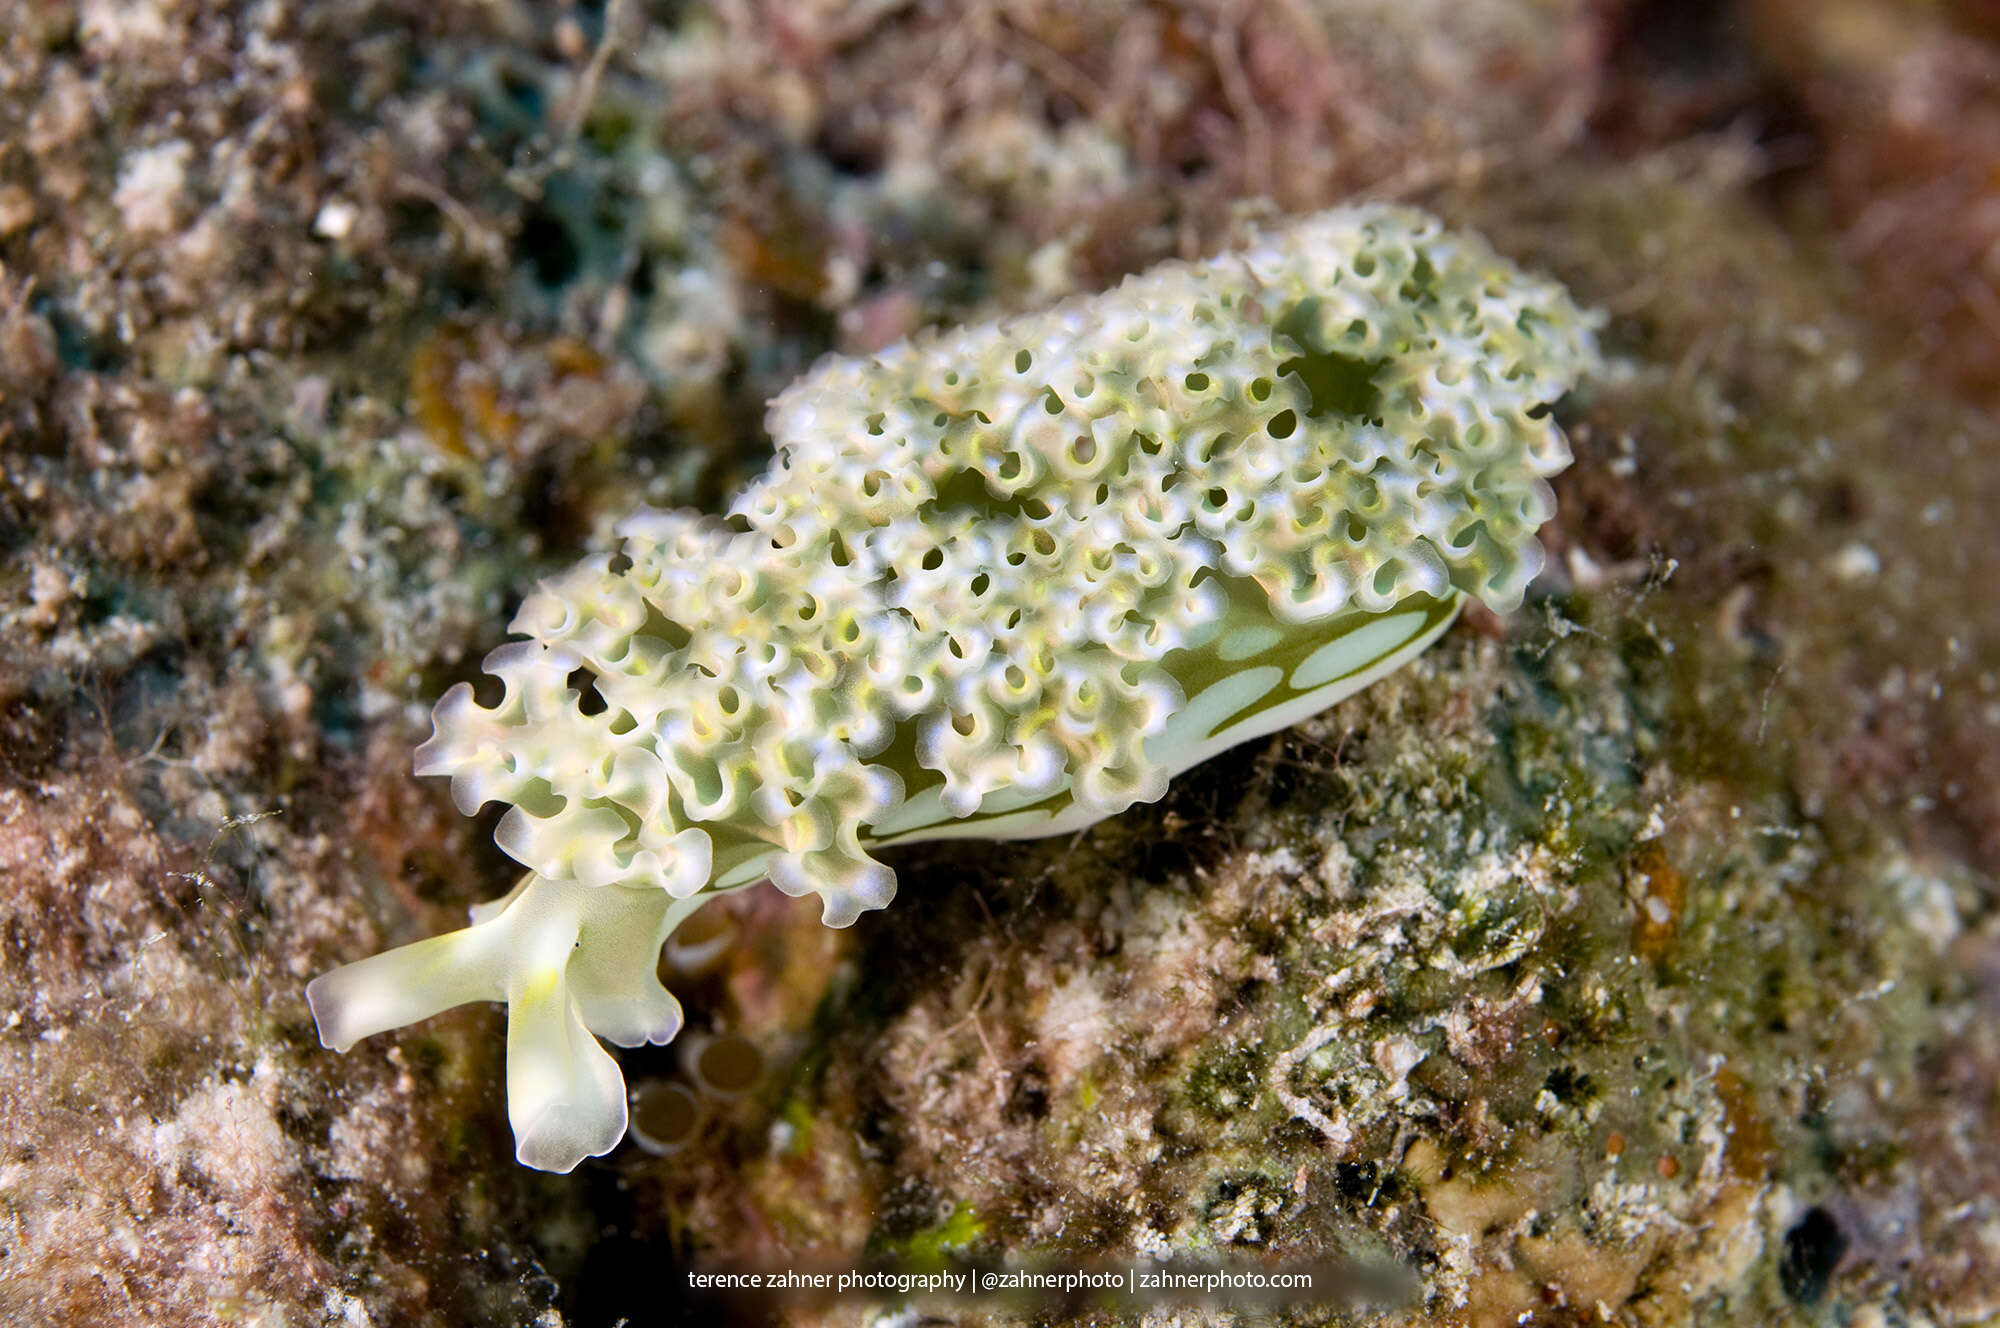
(1000, 581)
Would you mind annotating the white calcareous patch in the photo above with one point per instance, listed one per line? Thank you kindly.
(152, 188)
(229, 1129)
(1000, 581)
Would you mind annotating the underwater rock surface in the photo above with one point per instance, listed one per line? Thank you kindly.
(1630, 955)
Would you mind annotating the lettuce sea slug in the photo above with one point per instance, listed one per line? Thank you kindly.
(1001, 581)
